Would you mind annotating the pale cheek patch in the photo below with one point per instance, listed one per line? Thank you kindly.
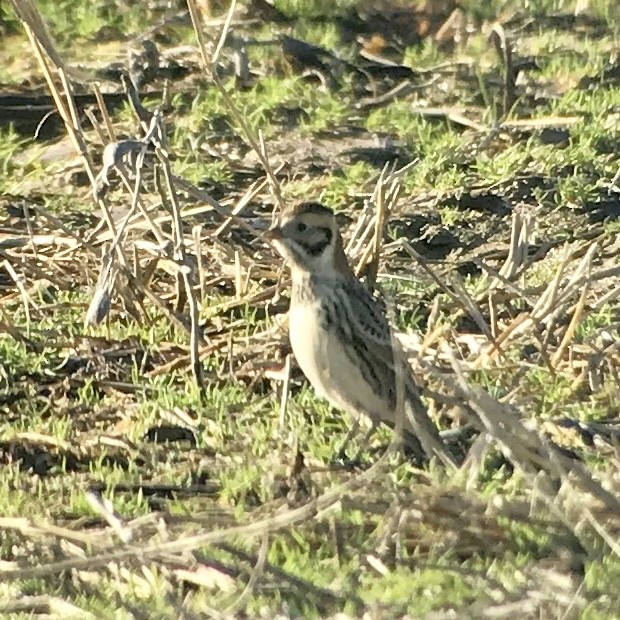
(324, 262)
(322, 239)
(289, 254)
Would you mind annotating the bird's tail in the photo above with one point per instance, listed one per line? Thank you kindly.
(418, 423)
(411, 415)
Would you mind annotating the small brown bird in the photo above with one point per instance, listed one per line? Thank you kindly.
(339, 333)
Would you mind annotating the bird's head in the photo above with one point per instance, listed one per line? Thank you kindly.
(308, 238)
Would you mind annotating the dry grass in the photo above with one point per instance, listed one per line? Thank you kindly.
(156, 265)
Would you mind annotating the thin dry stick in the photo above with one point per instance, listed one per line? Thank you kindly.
(524, 446)
(195, 16)
(104, 112)
(19, 283)
(47, 530)
(608, 538)
(572, 327)
(195, 334)
(285, 393)
(361, 245)
(399, 382)
(29, 225)
(108, 279)
(359, 232)
(580, 277)
(7, 327)
(73, 125)
(200, 194)
(31, 21)
(51, 606)
(556, 299)
(383, 208)
(27, 12)
(238, 276)
(181, 362)
(197, 235)
(385, 196)
(52, 219)
(13, 241)
(100, 506)
(135, 198)
(256, 573)
(274, 186)
(185, 543)
(255, 188)
(460, 295)
(519, 243)
(96, 126)
(211, 68)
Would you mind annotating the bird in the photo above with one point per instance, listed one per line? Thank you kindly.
(340, 334)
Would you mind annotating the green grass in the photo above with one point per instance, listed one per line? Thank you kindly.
(77, 403)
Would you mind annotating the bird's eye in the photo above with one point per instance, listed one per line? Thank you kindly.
(301, 227)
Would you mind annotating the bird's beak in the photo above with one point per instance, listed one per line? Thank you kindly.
(274, 234)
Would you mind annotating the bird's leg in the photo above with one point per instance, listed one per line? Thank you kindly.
(367, 436)
(341, 454)
(355, 460)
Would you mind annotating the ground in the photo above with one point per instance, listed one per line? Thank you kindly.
(159, 457)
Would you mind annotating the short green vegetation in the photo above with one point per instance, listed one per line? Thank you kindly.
(108, 446)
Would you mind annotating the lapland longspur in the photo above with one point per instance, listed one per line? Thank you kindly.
(340, 334)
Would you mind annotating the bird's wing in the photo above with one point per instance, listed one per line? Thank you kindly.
(365, 327)
(370, 328)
